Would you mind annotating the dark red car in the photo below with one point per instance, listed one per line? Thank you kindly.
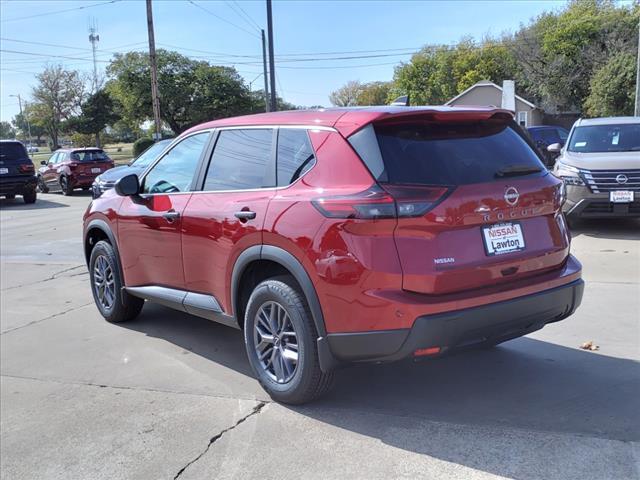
(68, 169)
(341, 235)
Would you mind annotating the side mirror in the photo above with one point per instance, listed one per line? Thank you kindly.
(128, 185)
(554, 148)
(43, 162)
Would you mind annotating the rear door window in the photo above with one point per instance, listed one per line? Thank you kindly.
(446, 153)
(89, 156)
(12, 152)
(241, 160)
(295, 155)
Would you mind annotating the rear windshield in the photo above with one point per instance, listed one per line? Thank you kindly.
(11, 152)
(446, 153)
(89, 156)
(606, 138)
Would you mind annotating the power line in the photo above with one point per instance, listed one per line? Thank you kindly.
(240, 14)
(55, 56)
(221, 18)
(247, 15)
(56, 12)
(15, 40)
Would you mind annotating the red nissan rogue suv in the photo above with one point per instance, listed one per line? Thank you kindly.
(341, 235)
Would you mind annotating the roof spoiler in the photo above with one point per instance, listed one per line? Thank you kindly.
(402, 101)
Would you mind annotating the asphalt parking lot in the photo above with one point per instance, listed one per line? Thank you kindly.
(172, 396)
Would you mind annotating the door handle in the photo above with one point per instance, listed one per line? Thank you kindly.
(171, 216)
(245, 215)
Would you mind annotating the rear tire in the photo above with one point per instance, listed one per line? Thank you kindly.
(30, 196)
(114, 304)
(67, 190)
(278, 327)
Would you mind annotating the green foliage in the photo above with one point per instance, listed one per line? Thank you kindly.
(141, 145)
(190, 91)
(82, 140)
(612, 88)
(20, 123)
(374, 93)
(347, 95)
(6, 131)
(96, 113)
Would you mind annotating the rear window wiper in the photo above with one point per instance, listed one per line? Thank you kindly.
(516, 170)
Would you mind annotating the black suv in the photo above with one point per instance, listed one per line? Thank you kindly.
(17, 174)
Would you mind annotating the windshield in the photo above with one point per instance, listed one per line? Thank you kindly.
(450, 153)
(89, 156)
(606, 138)
(151, 153)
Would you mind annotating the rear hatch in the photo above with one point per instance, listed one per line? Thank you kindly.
(475, 204)
(91, 162)
(14, 160)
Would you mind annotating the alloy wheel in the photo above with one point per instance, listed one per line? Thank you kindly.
(276, 342)
(103, 282)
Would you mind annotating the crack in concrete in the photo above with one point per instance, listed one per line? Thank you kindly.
(33, 322)
(217, 437)
(132, 388)
(48, 279)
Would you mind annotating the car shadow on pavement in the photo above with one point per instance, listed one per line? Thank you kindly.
(522, 385)
(614, 228)
(18, 204)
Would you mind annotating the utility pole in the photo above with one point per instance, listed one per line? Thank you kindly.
(637, 109)
(25, 118)
(94, 38)
(154, 73)
(272, 67)
(264, 72)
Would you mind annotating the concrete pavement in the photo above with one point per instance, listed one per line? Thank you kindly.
(172, 396)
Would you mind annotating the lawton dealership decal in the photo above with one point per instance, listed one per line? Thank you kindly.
(440, 261)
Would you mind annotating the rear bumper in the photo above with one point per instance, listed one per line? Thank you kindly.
(490, 323)
(17, 185)
(603, 208)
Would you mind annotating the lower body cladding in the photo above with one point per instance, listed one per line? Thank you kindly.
(581, 203)
(445, 332)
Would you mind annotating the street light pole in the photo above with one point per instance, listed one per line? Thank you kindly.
(264, 72)
(26, 119)
(272, 66)
(637, 109)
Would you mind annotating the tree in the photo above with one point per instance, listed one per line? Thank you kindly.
(6, 131)
(190, 91)
(347, 95)
(97, 112)
(613, 88)
(58, 95)
(20, 123)
(374, 93)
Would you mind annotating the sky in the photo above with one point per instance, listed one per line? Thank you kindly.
(227, 33)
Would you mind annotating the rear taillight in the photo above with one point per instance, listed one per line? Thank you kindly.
(416, 200)
(26, 168)
(391, 201)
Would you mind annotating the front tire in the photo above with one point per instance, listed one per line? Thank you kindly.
(280, 339)
(67, 190)
(106, 285)
(42, 186)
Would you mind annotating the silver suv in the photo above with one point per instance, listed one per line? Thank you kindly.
(600, 166)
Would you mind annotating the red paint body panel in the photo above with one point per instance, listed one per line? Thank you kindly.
(150, 246)
(213, 238)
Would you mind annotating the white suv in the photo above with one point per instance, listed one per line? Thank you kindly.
(600, 165)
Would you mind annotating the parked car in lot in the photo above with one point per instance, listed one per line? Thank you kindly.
(107, 180)
(17, 174)
(341, 235)
(32, 149)
(68, 169)
(600, 165)
(545, 135)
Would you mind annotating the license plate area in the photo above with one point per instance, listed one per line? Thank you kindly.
(621, 196)
(502, 238)
(4, 171)
(95, 170)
